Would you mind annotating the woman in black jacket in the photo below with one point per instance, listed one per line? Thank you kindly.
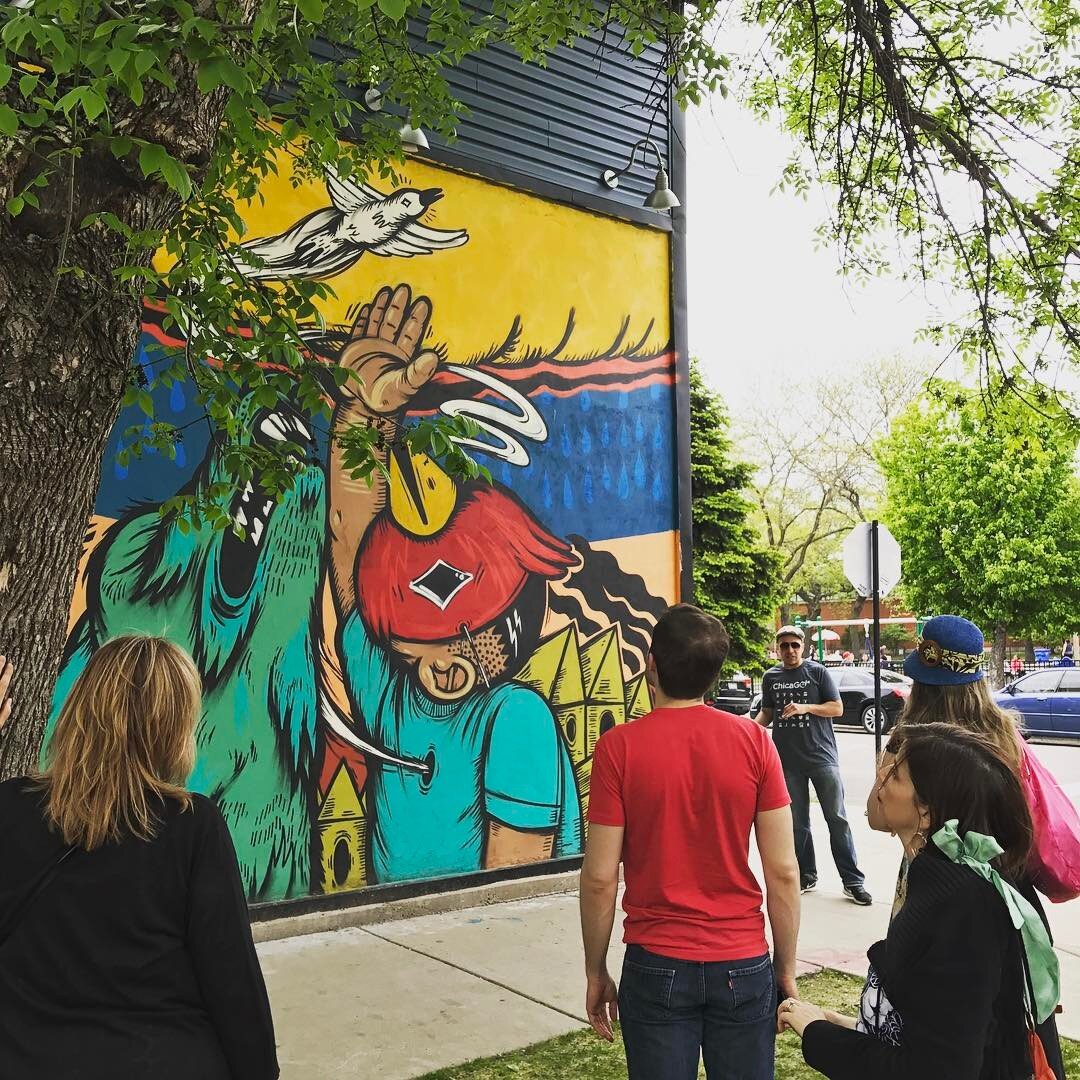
(945, 994)
(125, 949)
(948, 685)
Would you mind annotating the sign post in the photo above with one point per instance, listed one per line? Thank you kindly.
(872, 564)
(875, 572)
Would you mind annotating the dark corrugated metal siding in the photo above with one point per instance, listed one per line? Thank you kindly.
(567, 122)
(562, 124)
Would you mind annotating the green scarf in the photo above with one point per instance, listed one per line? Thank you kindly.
(975, 851)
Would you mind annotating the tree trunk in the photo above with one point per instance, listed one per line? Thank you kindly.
(1029, 651)
(62, 377)
(997, 656)
(67, 341)
(856, 634)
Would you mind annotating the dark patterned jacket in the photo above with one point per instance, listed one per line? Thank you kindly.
(952, 968)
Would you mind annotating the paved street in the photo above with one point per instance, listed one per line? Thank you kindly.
(398, 999)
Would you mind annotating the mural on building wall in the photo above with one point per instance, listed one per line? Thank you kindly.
(408, 680)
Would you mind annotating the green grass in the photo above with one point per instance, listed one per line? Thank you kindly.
(582, 1056)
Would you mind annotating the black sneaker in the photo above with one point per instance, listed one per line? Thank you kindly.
(807, 884)
(859, 895)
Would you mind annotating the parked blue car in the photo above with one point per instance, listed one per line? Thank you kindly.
(1048, 701)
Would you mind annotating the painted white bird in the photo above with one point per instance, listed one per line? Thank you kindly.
(361, 219)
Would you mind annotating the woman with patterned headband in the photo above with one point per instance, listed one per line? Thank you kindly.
(948, 686)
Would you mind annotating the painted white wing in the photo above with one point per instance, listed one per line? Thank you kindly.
(436, 238)
(348, 195)
(310, 249)
(417, 239)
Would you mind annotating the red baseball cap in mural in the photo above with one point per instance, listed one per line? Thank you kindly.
(443, 555)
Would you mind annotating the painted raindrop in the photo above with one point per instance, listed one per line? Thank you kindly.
(586, 440)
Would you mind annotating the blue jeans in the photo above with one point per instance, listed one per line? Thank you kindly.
(672, 1011)
(830, 793)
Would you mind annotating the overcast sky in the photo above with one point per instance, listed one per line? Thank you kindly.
(763, 298)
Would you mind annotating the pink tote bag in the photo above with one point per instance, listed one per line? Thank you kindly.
(1054, 863)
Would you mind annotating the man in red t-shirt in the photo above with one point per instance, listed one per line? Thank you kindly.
(674, 797)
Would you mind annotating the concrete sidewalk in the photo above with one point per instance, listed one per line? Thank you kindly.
(395, 1000)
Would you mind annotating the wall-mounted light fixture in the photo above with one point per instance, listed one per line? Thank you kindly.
(661, 197)
(413, 139)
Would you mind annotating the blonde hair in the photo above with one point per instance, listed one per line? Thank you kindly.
(969, 706)
(124, 739)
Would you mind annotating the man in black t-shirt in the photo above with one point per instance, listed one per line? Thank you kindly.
(799, 699)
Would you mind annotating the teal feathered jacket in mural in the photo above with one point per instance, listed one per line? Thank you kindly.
(496, 755)
(246, 609)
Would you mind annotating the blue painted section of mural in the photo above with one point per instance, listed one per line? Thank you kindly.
(605, 470)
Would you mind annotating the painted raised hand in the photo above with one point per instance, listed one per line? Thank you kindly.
(385, 353)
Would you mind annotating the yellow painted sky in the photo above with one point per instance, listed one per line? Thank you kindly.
(525, 256)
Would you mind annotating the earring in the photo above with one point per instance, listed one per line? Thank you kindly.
(475, 654)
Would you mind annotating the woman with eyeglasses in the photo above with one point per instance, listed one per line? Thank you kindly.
(125, 947)
(945, 994)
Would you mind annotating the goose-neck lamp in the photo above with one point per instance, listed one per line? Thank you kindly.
(661, 197)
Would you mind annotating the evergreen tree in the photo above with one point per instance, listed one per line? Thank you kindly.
(736, 576)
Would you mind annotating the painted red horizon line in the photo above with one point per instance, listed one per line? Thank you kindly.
(643, 377)
(596, 388)
(619, 365)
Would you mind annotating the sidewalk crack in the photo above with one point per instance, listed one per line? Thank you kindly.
(477, 975)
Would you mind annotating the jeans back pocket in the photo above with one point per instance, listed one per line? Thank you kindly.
(753, 991)
(645, 990)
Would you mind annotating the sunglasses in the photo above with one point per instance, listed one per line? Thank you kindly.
(790, 645)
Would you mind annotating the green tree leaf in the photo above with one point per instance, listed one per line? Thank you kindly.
(984, 503)
(93, 104)
(221, 71)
